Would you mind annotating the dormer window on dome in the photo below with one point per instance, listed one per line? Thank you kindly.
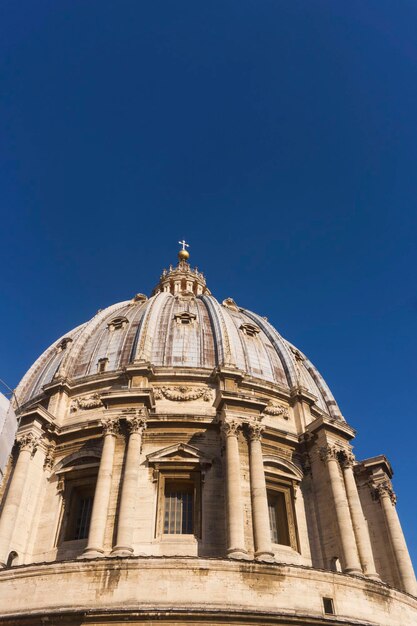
(185, 318)
(117, 323)
(102, 365)
(63, 344)
(249, 329)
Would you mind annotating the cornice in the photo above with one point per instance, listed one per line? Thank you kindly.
(237, 400)
(375, 463)
(37, 412)
(141, 395)
(302, 394)
(331, 424)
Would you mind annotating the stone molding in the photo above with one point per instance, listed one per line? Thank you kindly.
(183, 393)
(306, 464)
(49, 456)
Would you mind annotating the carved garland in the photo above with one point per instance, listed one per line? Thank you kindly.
(277, 409)
(86, 403)
(183, 393)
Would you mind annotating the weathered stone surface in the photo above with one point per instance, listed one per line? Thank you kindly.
(217, 471)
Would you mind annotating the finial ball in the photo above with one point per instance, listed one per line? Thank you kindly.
(183, 255)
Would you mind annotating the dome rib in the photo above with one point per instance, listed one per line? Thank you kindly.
(221, 340)
(72, 358)
(216, 335)
(279, 345)
(331, 403)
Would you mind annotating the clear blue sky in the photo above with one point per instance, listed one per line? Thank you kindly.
(279, 138)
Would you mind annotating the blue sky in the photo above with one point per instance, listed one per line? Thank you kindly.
(279, 138)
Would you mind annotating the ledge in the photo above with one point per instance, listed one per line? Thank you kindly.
(228, 589)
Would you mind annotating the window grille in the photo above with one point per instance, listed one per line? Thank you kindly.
(178, 508)
(278, 519)
(82, 522)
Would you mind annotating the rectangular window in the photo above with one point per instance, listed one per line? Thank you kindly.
(278, 518)
(328, 606)
(178, 508)
(78, 512)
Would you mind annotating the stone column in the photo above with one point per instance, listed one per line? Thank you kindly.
(359, 523)
(343, 519)
(95, 545)
(387, 498)
(136, 426)
(27, 445)
(234, 507)
(260, 515)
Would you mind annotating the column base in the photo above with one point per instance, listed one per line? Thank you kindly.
(236, 553)
(122, 551)
(91, 553)
(265, 556)
(354, 571)
(374, 577)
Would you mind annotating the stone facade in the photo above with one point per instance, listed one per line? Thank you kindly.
(177, 460)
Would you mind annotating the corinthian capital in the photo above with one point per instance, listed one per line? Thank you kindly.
(255, 431)
(384, 490)
(231, 428)
(28, 442)
(135, 420)
(329, 453)
(111, 425)
(346, 458)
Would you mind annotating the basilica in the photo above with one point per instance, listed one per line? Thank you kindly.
(178, 461)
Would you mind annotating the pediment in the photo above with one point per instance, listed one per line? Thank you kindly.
(180, 452)
(283, 467)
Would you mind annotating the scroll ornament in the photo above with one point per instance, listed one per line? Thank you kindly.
(183, 393)
(86, 403)
(274, 408)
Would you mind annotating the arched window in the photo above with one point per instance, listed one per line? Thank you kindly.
(12, 559)
(117, 323)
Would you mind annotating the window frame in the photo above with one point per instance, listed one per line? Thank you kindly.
(73, 482)
(278, 484)
(191, 478)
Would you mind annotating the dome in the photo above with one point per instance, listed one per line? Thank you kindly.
(181, 325)
(178, 461)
